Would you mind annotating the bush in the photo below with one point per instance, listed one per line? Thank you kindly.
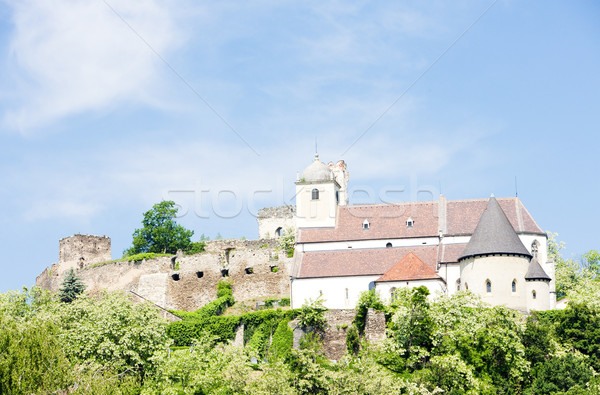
(197, 247)
(312, 314)
(368, 299)
(283, 340)
(560, 374)
(284, 302)
(353, 340)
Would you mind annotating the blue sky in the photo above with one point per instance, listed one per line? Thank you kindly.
(107, 107)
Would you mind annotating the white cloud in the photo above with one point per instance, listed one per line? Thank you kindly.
(74, 56)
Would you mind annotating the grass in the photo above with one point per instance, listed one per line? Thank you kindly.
(131, 258)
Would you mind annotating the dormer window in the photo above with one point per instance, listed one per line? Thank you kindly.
(410, 223)
(315, 194)
(366, 224)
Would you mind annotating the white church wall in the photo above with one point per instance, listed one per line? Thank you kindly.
(337, 292)
(500, 270)
(542, 300)
(359, 244)
(384, 289)
(450, 272)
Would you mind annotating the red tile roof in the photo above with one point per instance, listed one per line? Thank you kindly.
(388, 221)
(358, 262)
(462, 216)
(451, 252)
(409, 268)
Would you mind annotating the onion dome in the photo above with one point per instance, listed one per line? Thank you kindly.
(535, 272)
(317, 171)
(494, 235)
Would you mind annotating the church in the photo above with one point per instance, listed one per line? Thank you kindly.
(492, 247)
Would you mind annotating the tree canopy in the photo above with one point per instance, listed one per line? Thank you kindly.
(160, 233)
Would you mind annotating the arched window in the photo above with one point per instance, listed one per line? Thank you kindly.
(466, 285)
(315, 194)
(458, 284)
(488, 286)
(514, 286)
(337, 196)
(393, 294)
(366, 224)
(347, 296)
(534, 294)
(534, 249)
(278, 231)
(388, 245)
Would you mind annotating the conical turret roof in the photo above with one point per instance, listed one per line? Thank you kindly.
(536, 272)
(494, 235)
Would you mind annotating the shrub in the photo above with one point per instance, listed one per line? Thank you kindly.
(312, 314)
(560, 374)
(368, 299)
(284, 302)
(283, 340)
(353, 340)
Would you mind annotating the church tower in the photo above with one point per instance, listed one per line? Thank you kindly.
(495, 263)
(317, 196)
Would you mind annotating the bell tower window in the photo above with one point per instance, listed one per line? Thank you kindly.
(534, 249)
(315, 194)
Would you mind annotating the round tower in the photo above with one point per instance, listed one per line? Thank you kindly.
(495, 262)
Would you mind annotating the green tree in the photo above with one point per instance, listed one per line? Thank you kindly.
(160, 233)
(111, 333)
(560, 374)
(580, 326)
(71, 287)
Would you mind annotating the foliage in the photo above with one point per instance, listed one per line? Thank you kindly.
(132, 258)
(312, 314)
(31, 359)
(580, 327)
(367, 300)
(221, 328)
(71, 287)
(413, 327)
(287, 242)
(160, 233)
(537, 339)
(561, 373)
(283, 339)
(214, 308)
(110, 332)
(202, 369)
(353, 340)
(197, 247)
(284, 302)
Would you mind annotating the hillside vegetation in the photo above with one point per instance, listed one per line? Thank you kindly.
(105, 344)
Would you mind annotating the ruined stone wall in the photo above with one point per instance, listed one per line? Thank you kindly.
(255, 267)
(272, 219)
(79, 251)
(338, 322)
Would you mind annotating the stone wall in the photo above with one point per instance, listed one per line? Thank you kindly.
(255, 267)
(79, 251)
(272, 220)
(338, 322)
